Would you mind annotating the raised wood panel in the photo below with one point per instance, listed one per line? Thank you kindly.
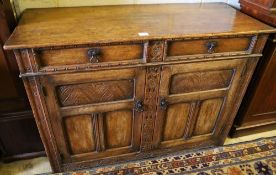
(71, 56)
(80, 133)
(118, 128)
(175, 121)
(200, 81)
(95, 92)
(207, 117)
(178, 48)
(183, 121)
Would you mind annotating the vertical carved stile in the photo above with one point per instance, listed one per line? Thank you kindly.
(40, 114)
(155, 54)
(32, 60)
(23, 60)
(17, 54)
(151, 98)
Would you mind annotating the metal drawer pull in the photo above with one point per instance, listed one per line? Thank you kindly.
(211, 45)
(94, 55)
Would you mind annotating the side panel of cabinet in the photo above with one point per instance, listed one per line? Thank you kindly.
(262, 88)
(195, 100)
(93, 114)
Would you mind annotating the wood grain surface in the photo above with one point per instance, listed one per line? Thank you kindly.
(84, 25)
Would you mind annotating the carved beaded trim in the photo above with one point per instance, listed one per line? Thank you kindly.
(88, 66)
(211, 37)
(252, 44)
(205, 56)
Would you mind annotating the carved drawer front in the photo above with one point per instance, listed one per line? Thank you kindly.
(191, 49)
(195, 101)
(95, 115)
(104, 55)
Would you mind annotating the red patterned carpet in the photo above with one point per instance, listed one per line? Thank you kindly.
(256, 157)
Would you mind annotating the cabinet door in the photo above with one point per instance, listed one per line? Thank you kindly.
(93, 114)
(195, 101)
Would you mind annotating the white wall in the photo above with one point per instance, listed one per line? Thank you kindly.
(234, 3)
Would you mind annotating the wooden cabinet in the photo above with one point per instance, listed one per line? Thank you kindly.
(17, 125)
(258, 109)
(106, 93)
(264, 10)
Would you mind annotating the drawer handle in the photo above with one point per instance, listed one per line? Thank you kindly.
(211, 45)
(163, 104)
(139, 106)
(94, 55)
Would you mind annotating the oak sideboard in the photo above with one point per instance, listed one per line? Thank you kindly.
(118, 83)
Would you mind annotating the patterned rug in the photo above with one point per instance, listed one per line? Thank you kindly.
(257, 157)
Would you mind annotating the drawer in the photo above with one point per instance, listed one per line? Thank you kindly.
(95, 55)
(209, 47)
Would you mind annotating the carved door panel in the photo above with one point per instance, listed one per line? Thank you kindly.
(93, 115)
(195, 100)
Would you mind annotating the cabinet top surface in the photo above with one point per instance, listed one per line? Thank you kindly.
(104, 24)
